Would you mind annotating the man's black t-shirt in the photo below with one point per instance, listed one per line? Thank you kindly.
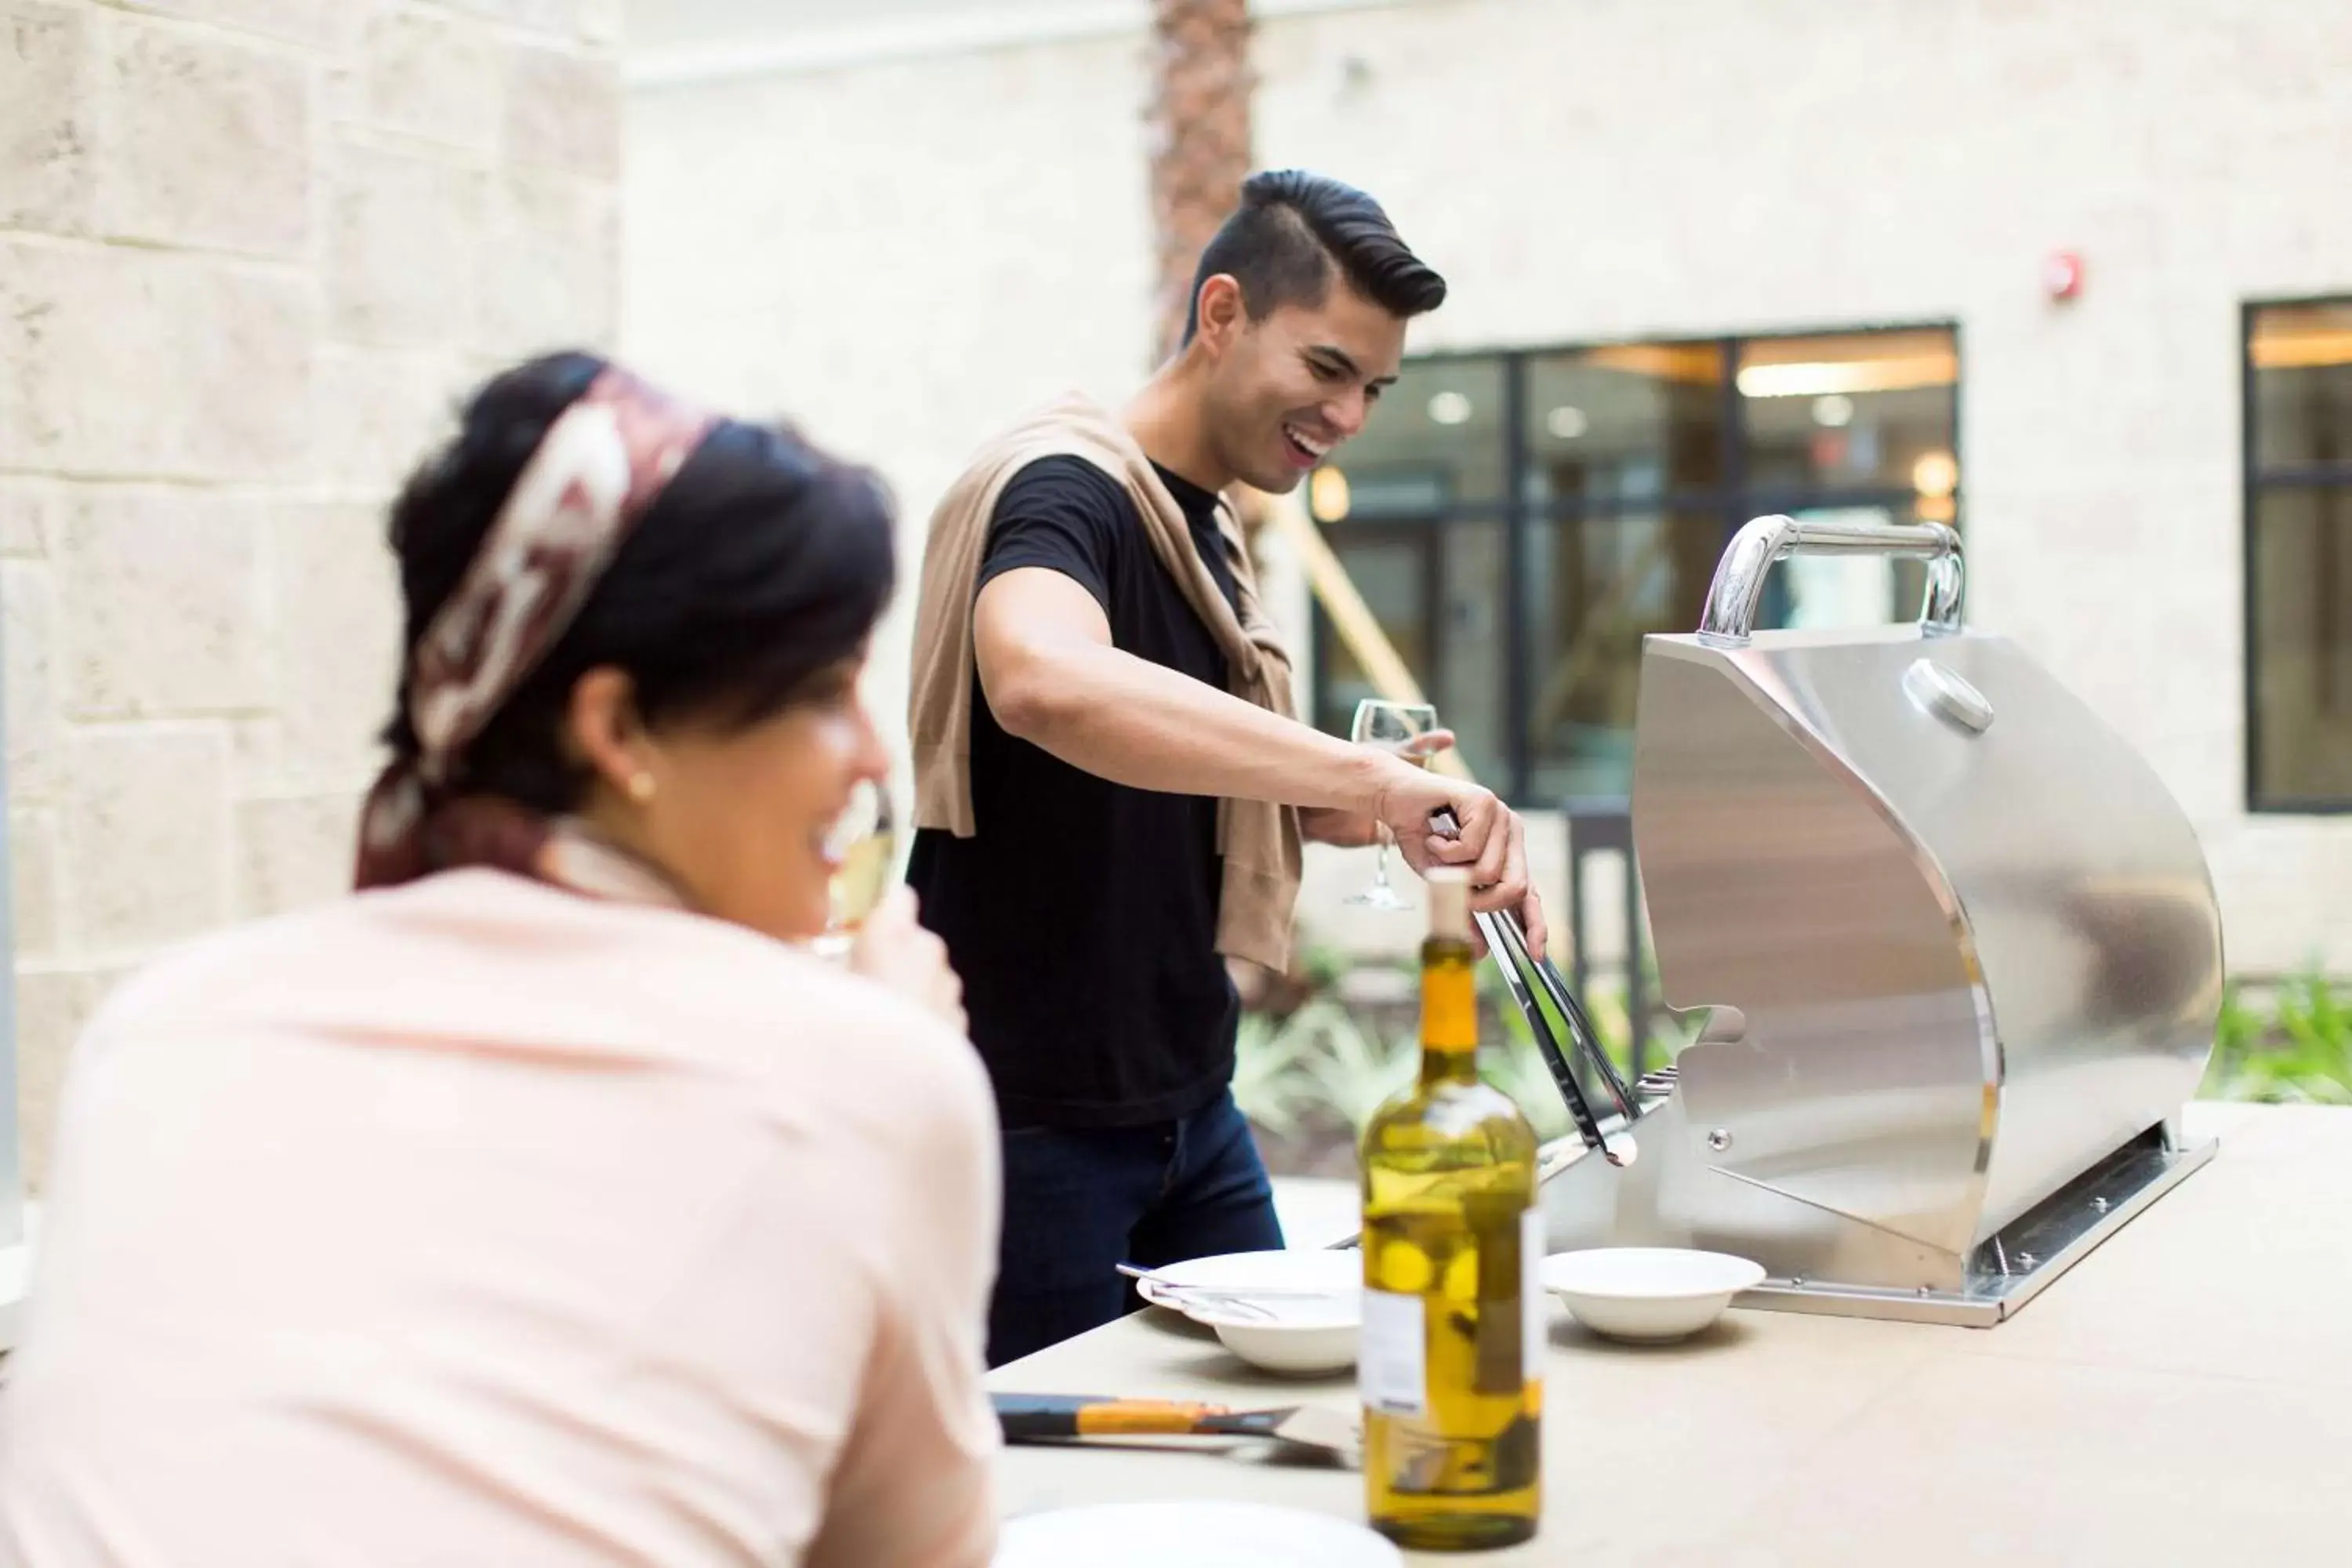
(1082, 915)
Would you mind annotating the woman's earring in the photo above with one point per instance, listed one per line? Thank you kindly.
(641, 787)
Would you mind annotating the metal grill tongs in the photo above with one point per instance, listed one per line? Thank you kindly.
(1526, 975)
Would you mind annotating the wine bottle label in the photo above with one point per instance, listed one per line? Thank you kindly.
(1393, 1354)
(1534, 1313)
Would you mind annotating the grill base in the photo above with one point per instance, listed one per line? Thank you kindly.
(2018, 1263)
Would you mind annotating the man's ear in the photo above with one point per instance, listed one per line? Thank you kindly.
(1220, 312)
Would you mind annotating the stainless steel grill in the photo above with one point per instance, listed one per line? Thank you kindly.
(1959, 945)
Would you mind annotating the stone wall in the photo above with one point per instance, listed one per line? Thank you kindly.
(1615, 169)
(250, 251)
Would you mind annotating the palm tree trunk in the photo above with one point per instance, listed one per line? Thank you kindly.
(1200, 122)
(1200, 141)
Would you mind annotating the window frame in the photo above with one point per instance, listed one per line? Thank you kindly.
(2254, 481)
(1732, 502)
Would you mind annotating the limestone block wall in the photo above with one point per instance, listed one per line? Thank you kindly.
(250, 252)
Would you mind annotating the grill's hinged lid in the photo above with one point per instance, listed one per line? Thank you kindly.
(1959, 944)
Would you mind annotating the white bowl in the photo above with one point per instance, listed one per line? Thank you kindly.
(1647, 1294)
(1295, 1346)
(1300, 1334)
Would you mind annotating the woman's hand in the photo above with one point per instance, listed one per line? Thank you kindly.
(894, 949)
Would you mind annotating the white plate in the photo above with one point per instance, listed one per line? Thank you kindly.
(1647, 1293)
(1301, 1335)
(1336, 1279)
(1183, 1535)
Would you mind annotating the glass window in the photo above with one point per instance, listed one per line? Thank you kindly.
(1521, 567)
(1436, 591)
(1820, 593)
(2300, 357)
(1435, 439)
(2299, 556)
(1467, 680)
(1594, 587)
(2303, 644)
(1390, 569)
(1869, 411)
(1630, 423)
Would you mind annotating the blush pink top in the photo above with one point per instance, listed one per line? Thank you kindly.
(478, 1223)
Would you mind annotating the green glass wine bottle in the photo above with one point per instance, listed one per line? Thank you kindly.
(1450, 1367)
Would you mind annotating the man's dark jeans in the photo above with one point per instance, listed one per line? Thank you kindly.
(1079, 1201)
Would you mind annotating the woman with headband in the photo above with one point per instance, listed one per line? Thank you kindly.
(546, 1203)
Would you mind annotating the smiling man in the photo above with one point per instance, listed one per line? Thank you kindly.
(1110, 785)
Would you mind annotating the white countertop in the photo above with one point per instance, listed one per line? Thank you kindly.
(2182, 1395)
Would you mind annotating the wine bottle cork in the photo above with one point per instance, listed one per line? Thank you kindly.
(1449, 903)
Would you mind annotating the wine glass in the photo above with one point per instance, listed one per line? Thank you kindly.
(1390, 727)
(865, 844)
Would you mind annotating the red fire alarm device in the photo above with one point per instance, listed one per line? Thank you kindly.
(2062, 275)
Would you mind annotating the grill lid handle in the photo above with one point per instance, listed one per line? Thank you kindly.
(1733, 599)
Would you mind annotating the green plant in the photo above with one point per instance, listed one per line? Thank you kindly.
(1605, 1006)
(2240, 1027)
(1359, 1066)
(1321, 966)
(1323, 1062)
(2314, 1018)
(1268, 1054)
(1516, 1068)
(2299, 1053)
(1327, 1063)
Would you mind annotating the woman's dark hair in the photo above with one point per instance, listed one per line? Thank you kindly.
(1293, 231)
(756, 573)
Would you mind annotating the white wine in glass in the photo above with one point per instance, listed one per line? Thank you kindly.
(1390, 727)
(865, 844)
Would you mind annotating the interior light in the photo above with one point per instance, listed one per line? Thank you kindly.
(1449, 408)
(1567, 422)
(1835, 411)
(1936, 474)
(1326, 495)
(2297, 337)
(1819, 378)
